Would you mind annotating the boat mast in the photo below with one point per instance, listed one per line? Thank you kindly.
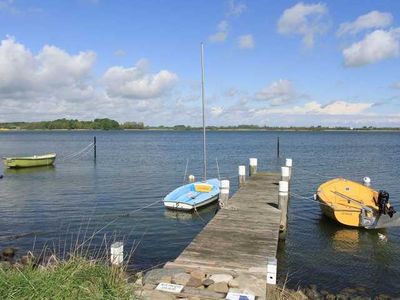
(204, 123)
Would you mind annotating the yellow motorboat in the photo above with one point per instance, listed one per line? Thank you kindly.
(354, 204)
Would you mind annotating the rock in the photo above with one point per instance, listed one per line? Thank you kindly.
(207, 282)
(383, 297)
(219, 287)
(300, 295)
(198, 274)
(154, 276)
(194, 298)
(251, 284)
(194, 282)
(156, 295)
(139, 281)
(330, 297)
(221, 278)
(166, 279)
(9, 252)
(181, 278)
(233, 283)
(26, 260)
(207, 294)
(324, 292)
(349, 291)
(341, 297)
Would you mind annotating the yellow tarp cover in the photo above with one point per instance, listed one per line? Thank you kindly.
(203, 187)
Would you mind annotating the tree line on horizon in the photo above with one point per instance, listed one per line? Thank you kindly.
(109, 124)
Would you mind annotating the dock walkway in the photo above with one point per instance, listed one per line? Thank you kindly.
(240, 238)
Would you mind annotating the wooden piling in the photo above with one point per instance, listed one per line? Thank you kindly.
(224, 193)
(117, 254)
(252, 166)
(283, 199)
(285, 174)
(242, 175)
(289, 164)
(94, 148)
(277, 147)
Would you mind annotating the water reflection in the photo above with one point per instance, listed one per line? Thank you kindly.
(203, 214)
(30, 170)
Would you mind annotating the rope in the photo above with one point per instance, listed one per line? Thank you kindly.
(78, 154)
(219, 175)
(186, 168)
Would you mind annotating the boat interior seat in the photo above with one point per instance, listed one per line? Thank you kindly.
(192, 194)
(203, 187)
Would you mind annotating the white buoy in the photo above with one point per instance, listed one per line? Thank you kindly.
(271, 270)
(117, 253)
(252, 166)
(242, 175)
(191, 178)
(367, 181)
(224, 193)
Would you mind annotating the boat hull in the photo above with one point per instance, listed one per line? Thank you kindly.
(193, 196)
(29, 162)
(348, 202)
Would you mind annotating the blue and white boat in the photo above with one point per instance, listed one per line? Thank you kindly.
(194, 195)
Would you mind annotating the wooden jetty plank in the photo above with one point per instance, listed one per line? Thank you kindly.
(241, 237)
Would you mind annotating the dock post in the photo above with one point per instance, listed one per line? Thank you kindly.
(224, 193)
(283, 204)
(242, 175)
(277, 148)
(94, 148)
(285, 174)
(271, 270)
(117, 254)
(289, 164)
(252, 166)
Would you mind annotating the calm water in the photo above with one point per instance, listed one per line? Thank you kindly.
(135, 169)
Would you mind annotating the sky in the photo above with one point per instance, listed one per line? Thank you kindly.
(274, 63)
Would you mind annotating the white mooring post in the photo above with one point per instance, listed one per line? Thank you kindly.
(283, 204)
(191, 178)
(252, 166)
(271, 270)
(242, 175)
(224, 193)
(117, 254)
(289, 164)
(285, 173)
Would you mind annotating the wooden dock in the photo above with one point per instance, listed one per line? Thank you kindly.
(241, 236)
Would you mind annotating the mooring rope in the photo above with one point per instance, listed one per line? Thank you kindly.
(77, 154)
(186, 168)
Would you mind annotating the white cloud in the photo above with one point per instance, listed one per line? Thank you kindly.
(376, 46)
(395, 85)
(137, 83)
(277, 93)
(221, 34)
(235, 8)
(119, 53)
(314, 108)
(22, 71)
(246, 41)
(307, 20)
(371, 20)
(216, 111)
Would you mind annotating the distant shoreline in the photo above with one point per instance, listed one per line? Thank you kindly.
(2, 130)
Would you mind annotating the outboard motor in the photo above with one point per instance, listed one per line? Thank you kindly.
(383, 204)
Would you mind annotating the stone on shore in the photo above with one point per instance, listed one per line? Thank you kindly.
(221, 278)
(198, 274)
(181, 278)
(154, 276)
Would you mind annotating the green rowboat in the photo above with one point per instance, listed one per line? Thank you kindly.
(30, 161)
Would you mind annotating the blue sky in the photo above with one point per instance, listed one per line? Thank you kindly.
(267, 62)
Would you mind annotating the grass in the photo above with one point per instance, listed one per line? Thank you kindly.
(75, 278)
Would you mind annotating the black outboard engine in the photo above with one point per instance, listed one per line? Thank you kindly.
(383, 204)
